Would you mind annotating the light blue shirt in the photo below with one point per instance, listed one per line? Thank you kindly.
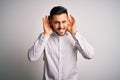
(60, 54)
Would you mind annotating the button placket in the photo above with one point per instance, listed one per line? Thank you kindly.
(60, 60)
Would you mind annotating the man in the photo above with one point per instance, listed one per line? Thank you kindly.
(60, 42)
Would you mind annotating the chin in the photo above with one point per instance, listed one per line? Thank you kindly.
(61, 34)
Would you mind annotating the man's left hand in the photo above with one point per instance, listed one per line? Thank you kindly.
(72, 25)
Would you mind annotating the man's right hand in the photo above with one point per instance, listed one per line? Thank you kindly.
(47, 26)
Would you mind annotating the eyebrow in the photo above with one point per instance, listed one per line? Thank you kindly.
(64, 21)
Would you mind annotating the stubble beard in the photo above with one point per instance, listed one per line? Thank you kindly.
(61, 31)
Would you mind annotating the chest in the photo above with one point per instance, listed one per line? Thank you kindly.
(60, 43)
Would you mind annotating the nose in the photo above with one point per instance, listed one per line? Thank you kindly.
(61, 25)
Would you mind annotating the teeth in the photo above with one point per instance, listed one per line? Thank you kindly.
(61, 30)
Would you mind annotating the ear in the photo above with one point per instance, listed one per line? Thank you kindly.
(50, 21)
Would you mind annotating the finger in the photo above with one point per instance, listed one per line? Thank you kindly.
(43, 20)
(69, 23)
(72, 18)
(69, 19)
(47, 18)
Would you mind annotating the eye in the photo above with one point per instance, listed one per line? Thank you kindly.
(64, 22)
(56, 22)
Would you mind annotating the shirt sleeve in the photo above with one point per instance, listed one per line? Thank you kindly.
(83, 46)
(37, 49)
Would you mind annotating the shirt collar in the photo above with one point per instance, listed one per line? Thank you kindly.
(55, 34)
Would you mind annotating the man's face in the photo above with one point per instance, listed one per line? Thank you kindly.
(59, 23)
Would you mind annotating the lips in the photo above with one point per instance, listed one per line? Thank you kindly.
(61, 30)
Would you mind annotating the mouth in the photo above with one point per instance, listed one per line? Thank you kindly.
(61, 30)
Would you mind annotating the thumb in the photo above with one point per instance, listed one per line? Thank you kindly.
(69, 28)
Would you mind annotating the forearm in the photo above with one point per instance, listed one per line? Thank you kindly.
(37, 49)
(83, 46)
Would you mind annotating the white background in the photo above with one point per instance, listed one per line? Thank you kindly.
(21, 24)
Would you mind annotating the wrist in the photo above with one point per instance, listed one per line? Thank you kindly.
(46, 34)
(74, 32)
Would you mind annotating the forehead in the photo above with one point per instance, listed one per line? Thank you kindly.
(60, 17)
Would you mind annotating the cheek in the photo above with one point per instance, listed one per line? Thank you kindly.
(55, 27)
(66, 25)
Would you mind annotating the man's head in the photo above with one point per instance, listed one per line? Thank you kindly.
(59, 20)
